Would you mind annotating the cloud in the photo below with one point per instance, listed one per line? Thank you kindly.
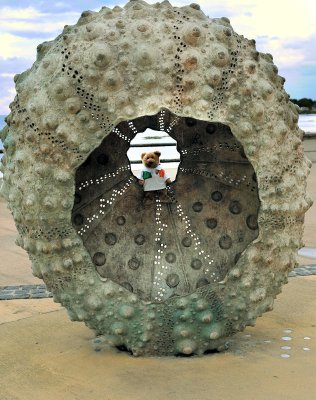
(23, 29)
(29, 21)
(283, 56)
(8, 93)
(12, 46)
(8, 68)
(306, 46)
(7, 75)
(61, 4)
(14, 65)
(15, 13)
(290, 53)
(297, 23)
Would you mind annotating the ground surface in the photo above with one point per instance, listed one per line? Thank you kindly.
(45, 356)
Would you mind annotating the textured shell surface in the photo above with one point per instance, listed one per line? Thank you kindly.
(86, 86)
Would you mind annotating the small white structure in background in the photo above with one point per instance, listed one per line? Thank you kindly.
(151, 140)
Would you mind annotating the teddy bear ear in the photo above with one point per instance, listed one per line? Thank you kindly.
(157, 153)
(142, 155)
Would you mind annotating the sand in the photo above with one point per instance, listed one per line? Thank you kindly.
(45, 356)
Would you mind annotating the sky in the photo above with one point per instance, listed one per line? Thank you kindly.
(284, 28)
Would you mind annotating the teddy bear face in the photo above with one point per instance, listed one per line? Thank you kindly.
(151, 159)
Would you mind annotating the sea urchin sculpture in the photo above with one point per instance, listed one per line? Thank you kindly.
(172, 278)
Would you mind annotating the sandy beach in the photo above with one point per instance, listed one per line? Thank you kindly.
(45, 355)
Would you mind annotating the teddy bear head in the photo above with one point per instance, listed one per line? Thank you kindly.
(151, 159)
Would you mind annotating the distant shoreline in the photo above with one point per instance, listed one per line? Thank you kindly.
(307, 112)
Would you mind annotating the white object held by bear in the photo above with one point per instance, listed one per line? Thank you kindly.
(154, 178)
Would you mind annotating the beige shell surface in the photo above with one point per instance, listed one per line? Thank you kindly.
(119, 64)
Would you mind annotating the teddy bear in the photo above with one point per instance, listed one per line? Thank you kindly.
(153, 178)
